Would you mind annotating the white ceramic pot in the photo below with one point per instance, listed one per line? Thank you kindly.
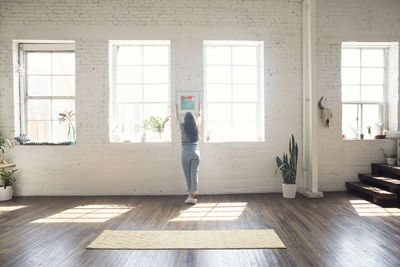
(289, 190)
(6, 194)
(391, 161)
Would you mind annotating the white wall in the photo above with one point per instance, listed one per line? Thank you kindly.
(94, 166)
(340, 21)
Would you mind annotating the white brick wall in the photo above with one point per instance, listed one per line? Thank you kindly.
(96, 167)
(339, 21)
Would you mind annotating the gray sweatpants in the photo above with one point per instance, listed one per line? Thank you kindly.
(190, 164)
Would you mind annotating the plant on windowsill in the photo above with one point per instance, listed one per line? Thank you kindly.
(67, 117)
(157, 124)
(145, 126)
(288, 168)
(4, 142)
(7, 184)
(390, 158)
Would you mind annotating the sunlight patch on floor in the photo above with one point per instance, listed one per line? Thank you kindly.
(366, 208)
(5, 209)
(224, 211)
(86, 214)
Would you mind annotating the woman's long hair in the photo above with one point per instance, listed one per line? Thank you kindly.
(191, 128)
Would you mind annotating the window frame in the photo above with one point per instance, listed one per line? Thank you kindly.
(383, 105)
(38, 47)
(260, 109)
(113, 54)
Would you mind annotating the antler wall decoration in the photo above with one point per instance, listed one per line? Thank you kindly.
(326, 113)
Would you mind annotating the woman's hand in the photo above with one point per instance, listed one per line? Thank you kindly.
(199, 110)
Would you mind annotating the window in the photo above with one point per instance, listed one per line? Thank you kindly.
(47, 88)
(233, 81)
(140, 81)
(364, 87)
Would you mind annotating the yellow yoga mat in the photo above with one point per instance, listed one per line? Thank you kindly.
(212, 239)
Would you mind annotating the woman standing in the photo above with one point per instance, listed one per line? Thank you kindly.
(190, 136)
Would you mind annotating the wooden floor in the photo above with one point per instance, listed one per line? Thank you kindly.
(317, 232)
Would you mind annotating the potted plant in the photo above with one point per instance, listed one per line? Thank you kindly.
(288, 168)
(4, 142)
(390, 158)
(145, 126)
(67, 117)
(7, 184)
(157, 124)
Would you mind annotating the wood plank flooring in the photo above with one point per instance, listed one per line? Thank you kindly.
(317, 232)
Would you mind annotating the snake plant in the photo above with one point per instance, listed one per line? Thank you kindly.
(288, 164)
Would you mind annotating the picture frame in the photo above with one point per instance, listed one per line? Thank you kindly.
(188, 102)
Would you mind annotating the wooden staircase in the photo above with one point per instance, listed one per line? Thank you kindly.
(383, 185)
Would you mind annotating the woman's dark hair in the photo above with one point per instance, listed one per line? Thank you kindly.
(191, 128)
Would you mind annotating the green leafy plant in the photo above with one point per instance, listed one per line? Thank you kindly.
(388, 155)
(6, 177)
(4, 142)
(157, 124)
(288, 164)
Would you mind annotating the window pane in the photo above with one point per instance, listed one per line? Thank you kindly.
(155, 74)
(349, 120)
(218, 55)
(129, 55)
(244, 74)
(218, 74)
(372, 76)
(351, 57)
(155, 55)
(370, 116)
(129, 93)
(219, 112)
(219, 92)
(63, 85)
(371, 93)
(61, 106)
(244, 112)
(244, 55)
(155, 93)
(39, 131)
(245, 92)
(156, 110)
(129, 74)
(38, 63)
(38, 109)
(129, 113)
(63, 63)
(350, 93)
(218, 131)
(39, 85)
(350, 76)
(372, 57)
(244, 131)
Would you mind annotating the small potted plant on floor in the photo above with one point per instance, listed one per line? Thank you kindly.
(288, 168)
(7, 184)
(390, 158)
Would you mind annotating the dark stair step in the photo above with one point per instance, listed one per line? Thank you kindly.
(382, 168)
(392, 184)
(375, 192)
